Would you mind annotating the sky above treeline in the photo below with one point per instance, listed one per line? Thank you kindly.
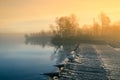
(27, 16)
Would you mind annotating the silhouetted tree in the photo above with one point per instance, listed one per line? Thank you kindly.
(105, 23)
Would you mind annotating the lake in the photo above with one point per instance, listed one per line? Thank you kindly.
(24, 61)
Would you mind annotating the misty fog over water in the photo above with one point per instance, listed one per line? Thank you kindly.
(20, 61)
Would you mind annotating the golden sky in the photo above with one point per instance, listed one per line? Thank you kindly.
(26, 16)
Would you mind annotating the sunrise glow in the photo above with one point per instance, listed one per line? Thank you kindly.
(26, 16)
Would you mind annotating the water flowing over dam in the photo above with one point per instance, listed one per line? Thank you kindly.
(91, 62)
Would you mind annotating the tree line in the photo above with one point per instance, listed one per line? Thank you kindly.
(66, 29)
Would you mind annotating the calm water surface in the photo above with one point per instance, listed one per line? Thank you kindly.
(20, 61)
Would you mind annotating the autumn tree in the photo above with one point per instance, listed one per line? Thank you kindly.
(66, 26)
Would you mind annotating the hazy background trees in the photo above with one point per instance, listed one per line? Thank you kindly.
(66, 29)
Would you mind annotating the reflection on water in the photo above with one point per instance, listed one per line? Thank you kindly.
(62, 47)
(24, 59)
(19, 61)
(39, 40)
